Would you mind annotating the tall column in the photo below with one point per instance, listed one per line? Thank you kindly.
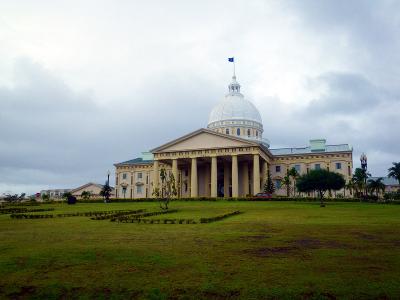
(214, 175)
(156, 175)
(175, 173)
(235, 177)
(207, 175)
(256, 174)
(245, 178)
(264, 174)
(226, 179)
(194, 191)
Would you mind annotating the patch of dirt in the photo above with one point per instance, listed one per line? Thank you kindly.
(308, 243)
(318, 244)
(366, 236)
(254, 238)
(296, 246)
(271, 251)
(215, 295)
(25, 292)
(312, 295)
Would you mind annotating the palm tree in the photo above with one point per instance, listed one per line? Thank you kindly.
(360, 177)
(394, 171)
(287, 183)
(350, 186)
(376, 185)
(294, 174)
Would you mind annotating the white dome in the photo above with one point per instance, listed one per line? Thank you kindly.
(235, 115)
(234, 107)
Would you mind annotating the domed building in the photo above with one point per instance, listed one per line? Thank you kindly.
(235, 115)
(229, 158)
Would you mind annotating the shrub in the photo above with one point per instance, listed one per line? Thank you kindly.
(218, 218)
(141, 215)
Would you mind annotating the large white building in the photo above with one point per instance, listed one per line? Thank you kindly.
(230, 158)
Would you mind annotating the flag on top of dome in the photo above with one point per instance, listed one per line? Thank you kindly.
(231, 59)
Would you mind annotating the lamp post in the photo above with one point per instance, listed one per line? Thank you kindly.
(108, 177)
(364, 165)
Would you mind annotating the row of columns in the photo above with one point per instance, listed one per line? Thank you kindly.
(214, 176)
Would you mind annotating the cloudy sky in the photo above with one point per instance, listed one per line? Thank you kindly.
(85, 84)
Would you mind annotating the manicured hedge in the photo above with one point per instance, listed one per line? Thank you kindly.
(118, 214)
(97, 213)
(16, 210)
(18, 204)
(26, 216)
(159, 221)
(301, 199)
(140, 216)
(219, 218)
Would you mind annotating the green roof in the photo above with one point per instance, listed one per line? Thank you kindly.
(308, 150)
(135, 161)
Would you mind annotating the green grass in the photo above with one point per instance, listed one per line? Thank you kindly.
(272, 250)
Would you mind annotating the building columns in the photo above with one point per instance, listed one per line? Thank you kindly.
(207, 181)
(214, 175)
(256, 174)
(226, 179)
(235, 177)
(156, 178)
(175, 173)
(194, 189)
(245, 178)
(264, 174)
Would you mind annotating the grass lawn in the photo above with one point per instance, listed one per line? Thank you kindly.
(272, 250)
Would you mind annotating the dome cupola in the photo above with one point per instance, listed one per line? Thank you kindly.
(235, 115)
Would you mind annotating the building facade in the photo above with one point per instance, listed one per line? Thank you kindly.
(229, 158)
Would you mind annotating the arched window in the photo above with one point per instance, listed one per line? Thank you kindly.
(248, 132)
(227, 131)
(256, 133)
(238, 131)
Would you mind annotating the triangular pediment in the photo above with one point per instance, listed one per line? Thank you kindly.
(203, 139)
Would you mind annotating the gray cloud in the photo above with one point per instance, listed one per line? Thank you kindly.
(345, 93)
(95, 92)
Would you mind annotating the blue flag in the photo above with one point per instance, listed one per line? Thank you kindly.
(230, 59)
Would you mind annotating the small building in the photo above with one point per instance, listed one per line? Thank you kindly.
(93, 188)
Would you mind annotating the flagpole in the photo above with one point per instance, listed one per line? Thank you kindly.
(234, 73)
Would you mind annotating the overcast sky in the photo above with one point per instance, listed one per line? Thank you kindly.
(86, 84)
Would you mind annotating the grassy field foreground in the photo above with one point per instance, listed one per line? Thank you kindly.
(272, 250)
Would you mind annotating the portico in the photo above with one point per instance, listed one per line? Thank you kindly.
(228, 167)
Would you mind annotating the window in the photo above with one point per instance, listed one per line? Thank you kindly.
(338, 166)
(139, 189)
(297, 168)
(349, 170)
(139, 175)
(277, 169)
(238, 131)
(317, 167)
(124, 176)
(278, 184)
(186, 172)
(186, 187)
(256, 133)
(227, 131)
(248, 132)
